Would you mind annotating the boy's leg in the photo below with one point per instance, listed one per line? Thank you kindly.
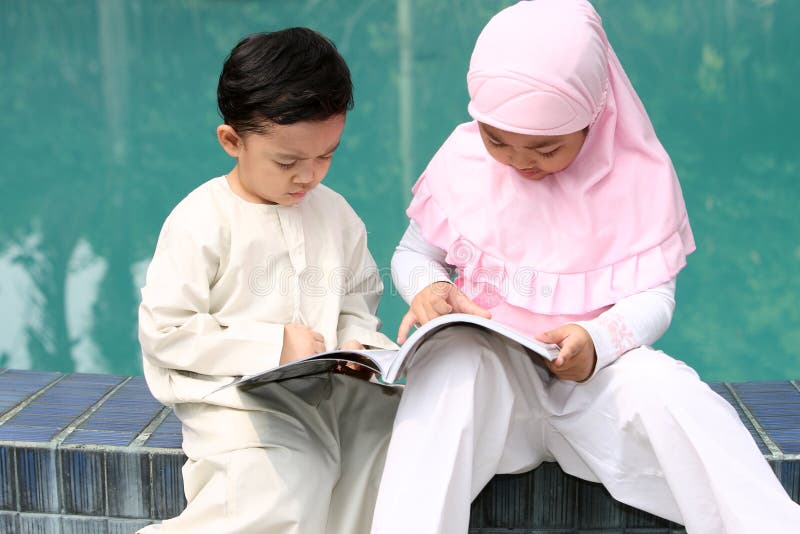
(661, 440)
(267, 472)
(364, 413)
(471, 408)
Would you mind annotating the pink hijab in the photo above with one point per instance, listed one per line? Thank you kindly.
(566, 247)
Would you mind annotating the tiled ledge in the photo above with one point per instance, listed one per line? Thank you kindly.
(92, 454)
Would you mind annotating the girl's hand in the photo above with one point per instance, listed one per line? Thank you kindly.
(577, 358)
(439, 298)
(299, 341)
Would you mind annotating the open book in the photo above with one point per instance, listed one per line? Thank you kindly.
(389, 364)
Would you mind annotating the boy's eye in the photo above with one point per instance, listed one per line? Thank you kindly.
(549, 154)
(285, 165)
(494, 143)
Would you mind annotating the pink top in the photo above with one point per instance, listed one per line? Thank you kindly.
(564, 248)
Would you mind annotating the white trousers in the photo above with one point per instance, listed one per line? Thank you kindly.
(309, 462)
(657, 437)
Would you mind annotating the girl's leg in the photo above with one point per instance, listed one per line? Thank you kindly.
(267, 472)
(470, 409)
(661, 440)
(363, 413)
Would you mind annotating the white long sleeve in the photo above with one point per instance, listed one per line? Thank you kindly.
(178, 328)
(640, 319)
(417, 264)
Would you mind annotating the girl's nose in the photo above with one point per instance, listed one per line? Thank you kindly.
(520, 161)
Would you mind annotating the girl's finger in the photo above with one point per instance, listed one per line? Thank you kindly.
(465, 305)
(405, 325)
(441, 307)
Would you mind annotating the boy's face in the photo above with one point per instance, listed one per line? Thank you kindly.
(533, 156)
(284, 164)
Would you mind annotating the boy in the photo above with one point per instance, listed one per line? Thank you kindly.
(255, 269)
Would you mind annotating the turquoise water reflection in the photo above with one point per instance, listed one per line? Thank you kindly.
(108, 114)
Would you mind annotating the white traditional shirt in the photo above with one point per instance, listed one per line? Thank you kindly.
(228, 274)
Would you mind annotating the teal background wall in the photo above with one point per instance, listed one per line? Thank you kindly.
(107, 114)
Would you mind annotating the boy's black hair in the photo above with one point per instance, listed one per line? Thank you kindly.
(283, 77)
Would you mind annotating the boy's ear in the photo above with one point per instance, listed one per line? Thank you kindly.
(229, 140)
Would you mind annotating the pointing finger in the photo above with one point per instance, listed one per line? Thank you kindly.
(405, 325)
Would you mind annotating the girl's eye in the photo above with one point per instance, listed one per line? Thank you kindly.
(549, 154)
(494, 143)
(285, 165)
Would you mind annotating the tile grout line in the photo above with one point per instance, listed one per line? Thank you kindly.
(145, 434)
(777, 454)
(25, 402)
(71, 427)
(58, 440)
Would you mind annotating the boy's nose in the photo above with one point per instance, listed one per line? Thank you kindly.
(305, 175)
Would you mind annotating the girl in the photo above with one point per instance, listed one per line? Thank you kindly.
(562, 215)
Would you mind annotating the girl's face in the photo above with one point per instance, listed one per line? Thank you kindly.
(284, 164)
(533, 156)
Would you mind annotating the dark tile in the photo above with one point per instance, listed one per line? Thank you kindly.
(167, 484)
(37, 479)
(126, 526)
(99, 437)
(554, 497)
(789, 474)
(166, 441)
(39, 524)
(597, 509)
(128, 483)
(775, 422)
(9, 522)
(8, 479)
(84, 525)
(544, 498)
(639, 519)
(771, 410)
(30, 434)
(83, 481)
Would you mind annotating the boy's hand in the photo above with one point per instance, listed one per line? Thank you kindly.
(351, 344)
(439, 298)
(300, 341)
(353, 369)
(577, 358)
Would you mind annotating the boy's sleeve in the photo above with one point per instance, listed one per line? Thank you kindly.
(357, 319)
(176, 330)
